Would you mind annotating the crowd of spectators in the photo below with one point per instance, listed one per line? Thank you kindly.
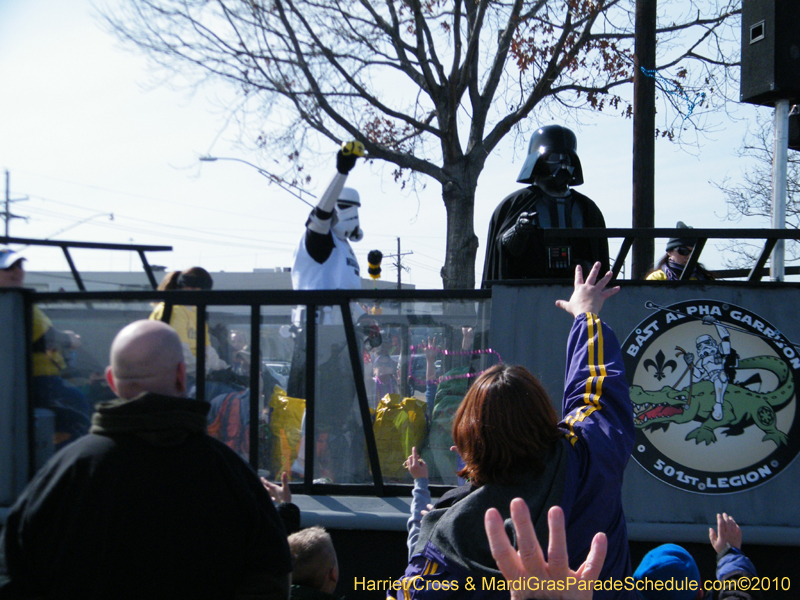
(558, 479)
(141, 502)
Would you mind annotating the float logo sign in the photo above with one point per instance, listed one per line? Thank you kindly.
(713, 387)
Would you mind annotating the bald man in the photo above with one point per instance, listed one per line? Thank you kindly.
(146, 505)
(147, 356)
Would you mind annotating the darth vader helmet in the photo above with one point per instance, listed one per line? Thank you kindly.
(552, 154)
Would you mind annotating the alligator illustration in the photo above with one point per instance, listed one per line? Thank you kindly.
(742, 407)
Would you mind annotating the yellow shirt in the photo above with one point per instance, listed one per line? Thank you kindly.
(657, 276)
(46, 361)
(184, 321)
(661, 276)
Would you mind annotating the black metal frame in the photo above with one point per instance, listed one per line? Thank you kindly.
(342, 298)
(66, 245)
(756, 273)
(770, 237)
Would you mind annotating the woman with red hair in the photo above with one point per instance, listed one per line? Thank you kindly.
(509, 437)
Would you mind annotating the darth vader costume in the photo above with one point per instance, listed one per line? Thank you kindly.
(516, 247)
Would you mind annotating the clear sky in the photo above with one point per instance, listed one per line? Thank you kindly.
(87, 131)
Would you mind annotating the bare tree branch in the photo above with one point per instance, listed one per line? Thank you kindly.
(750, 196)
(408, 78)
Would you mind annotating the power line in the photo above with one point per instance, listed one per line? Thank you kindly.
(248, 216)
(438, 260)
(398, 264)
(161, 201)
(166, 226)
(419, 265)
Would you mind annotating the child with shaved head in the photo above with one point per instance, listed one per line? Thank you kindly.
(316, 569)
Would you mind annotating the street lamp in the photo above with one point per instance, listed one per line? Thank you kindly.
(81, 222)
(288, 187)
(73, 226)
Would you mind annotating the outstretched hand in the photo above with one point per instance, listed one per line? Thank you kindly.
(727, 534)
(529, 561)
(415, 465)
(431, 350)
(590, 295)
(526, 221)
(467, 337)
(347, 155)
(278, 493)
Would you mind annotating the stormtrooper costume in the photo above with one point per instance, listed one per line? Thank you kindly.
(324, 259)
(714, 362)
(516, 248)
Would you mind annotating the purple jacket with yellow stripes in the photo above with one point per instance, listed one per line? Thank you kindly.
(598, 423)
(583, 475)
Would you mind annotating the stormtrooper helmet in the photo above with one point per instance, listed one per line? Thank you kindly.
(346, 224)
(706, 346)
(552, 155)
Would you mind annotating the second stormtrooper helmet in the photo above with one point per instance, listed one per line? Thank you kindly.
(346, 223)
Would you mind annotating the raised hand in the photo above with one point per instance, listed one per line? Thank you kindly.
(528, 562)
(415, 465)
(590, 295)
(431, 350)
(347, 155)
(727, 534)
(279, 493)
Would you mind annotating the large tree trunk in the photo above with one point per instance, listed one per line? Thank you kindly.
(462, 243)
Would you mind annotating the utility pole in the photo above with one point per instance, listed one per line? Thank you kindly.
(644, 142)
(780, 151)
(399, 262)
(7, 213)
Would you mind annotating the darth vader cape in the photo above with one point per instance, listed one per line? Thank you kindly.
(537, 259)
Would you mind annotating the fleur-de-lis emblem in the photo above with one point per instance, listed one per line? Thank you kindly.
(660, 365)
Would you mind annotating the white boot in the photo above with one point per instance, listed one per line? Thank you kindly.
(717, 413)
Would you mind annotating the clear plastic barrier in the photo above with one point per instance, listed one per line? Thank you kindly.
(403, 364)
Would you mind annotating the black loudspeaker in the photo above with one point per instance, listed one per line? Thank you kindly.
(770, 51)
(794, 128)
